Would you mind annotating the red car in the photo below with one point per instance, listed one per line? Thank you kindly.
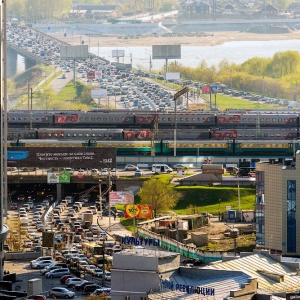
(64, 278)
(13, 206)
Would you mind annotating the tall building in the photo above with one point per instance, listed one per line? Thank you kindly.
(277, 199)
(3, 133)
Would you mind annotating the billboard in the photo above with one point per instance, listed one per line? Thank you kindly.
(139, 211)
(42, 157)
(125, 197)
(206, 89)
(58, 177)
(96, 94)
(172, 76)
(74, 52)
(118, 53)
(166, 51)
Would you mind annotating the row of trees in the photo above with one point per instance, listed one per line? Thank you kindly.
(278, 76)
(42, 10)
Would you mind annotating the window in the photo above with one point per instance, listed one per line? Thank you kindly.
(291, 216)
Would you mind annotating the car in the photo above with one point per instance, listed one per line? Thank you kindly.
(60, 292)
(36, 297)
(101, 291)
(179, 167)
(13, 206)
(81, 286)
(21, 198)
(130, 168)
(104, 172)
(81, 172)
(90, 288)
(41, 258)
(57, 273)
(30, 203)
(73, 281)
(64, 278)
(138, 172)
(49, 268)
(64, 76)
(41, 264)
(98, 272)
(107, 276)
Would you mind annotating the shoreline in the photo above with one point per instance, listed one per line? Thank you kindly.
(208, 39)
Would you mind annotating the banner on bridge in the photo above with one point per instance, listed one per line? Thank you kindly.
(58, 177)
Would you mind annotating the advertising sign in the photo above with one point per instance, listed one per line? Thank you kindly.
(74, 52)
(166, 51)
(62, 157)
(292, 296)
(205, 89)
(125, 197)
(139, 211)
(118, 53)
(58, 177)
(101, 93)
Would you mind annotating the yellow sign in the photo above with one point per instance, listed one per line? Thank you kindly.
(131, 210)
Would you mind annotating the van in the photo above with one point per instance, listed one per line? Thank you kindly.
(157, 169)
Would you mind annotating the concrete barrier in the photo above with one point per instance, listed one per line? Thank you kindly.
(21, 255)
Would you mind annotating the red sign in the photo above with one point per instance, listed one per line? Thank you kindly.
(206, 89)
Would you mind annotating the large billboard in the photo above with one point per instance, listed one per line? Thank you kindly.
(41, 157)
(166, 51)
(139, 211)
(125, 197)
(118, 53)
(74, 52)
(96, 94)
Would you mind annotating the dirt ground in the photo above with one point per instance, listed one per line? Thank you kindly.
(208, 39)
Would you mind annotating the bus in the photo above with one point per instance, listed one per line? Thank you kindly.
(91, 249)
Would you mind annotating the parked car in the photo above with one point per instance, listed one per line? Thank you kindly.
(73, 281)
(179, 167)
(36, 297)
(64, 278)
(57, 273)
(101, 291)
(60, 292)
(41, 264)
(90, 288)
(81, 286)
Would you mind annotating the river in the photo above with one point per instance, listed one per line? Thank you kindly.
(234, 52)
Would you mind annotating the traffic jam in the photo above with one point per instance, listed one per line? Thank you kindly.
(82, 255)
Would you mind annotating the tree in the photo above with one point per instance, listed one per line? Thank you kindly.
(160, 195)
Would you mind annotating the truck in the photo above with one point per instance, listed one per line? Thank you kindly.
(87, 217)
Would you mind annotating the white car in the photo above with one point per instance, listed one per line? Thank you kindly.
(130, 168)
(71, 282)
(104, 172)
(60, 292)
(41, 264)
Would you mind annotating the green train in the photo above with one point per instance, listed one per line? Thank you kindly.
(183, 148)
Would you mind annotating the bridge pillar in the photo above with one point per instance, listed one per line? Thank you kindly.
(11, 63)
(29, 63)
(58, 191)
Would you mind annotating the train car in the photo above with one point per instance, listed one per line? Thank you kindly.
(194, 148)
(114, 119)
(21, 133)
(24, 118)
(130, 147)
(47, 143)
(252, 134)
(249, 120)
(186, 119)
(269, 147)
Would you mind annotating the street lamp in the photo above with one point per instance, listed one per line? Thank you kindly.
(219, 210)
(100, 198)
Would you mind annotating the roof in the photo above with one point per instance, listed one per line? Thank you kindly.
(222, 282)
(147, 252)
(272, 276)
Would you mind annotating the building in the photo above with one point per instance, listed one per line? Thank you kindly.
(277, 200)
(152, 274)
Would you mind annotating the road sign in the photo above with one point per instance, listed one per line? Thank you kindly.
(181, 92)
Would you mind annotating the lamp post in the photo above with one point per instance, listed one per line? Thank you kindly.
(100, 198)
(219, 210)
